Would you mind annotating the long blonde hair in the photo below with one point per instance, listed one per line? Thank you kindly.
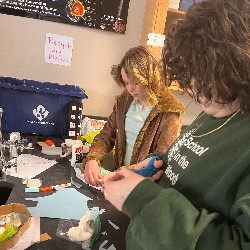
(142, 67)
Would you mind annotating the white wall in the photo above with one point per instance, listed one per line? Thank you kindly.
(22, 46)
(192, 109)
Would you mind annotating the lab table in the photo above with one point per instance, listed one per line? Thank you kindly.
(61, 172)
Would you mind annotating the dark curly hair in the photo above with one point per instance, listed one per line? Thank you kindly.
(211, 45)
(144, 68)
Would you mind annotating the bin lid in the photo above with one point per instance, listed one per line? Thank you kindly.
(42, 87)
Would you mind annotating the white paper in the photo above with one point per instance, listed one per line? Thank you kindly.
(156, 39)
(58, 49)
(30, 236)
(29, 166)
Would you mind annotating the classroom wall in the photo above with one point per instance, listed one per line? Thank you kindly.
(22, 50)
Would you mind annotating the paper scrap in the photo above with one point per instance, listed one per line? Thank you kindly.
(113, 225)
(65, 203)
(156, 39)
(44, 237)
(30, 236)
(112, 247)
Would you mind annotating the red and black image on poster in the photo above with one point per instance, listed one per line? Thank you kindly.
(108, 15)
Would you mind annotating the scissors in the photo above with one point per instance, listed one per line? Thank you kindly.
(149, 170)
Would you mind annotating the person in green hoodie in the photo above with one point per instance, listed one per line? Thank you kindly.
(201, 195)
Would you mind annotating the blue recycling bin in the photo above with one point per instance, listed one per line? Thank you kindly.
(37, 107)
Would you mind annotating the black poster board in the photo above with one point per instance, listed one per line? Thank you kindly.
(100, 14)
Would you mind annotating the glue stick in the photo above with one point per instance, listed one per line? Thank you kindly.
(77, 149)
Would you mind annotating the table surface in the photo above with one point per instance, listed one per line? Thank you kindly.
(62, 173)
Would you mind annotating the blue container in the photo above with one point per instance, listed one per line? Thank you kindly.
(185, 4)
(37, 107)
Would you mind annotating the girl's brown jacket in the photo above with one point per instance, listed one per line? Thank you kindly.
(160, 129)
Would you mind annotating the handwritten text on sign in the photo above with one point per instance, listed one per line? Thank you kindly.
(58, 49)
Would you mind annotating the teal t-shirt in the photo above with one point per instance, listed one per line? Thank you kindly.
(134, 121)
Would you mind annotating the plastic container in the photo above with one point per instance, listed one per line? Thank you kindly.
(37, 107)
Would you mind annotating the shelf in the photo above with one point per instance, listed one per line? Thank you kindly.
(172, 16)
(158, 19)
(177, 11)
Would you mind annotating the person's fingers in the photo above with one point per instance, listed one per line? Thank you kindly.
(158, 163)
(124, 172)
(114, 177)
(117, 188)
(108, 176)
(157, 176)
(86, 176)
(93, 178)
(142, 164)
(97, 181)
(92, 173)
(118, 175)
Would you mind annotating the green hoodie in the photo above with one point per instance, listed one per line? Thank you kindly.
(203, 199)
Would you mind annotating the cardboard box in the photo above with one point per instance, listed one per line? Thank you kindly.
(18, 208)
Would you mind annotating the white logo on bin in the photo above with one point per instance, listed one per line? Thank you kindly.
(40, 112)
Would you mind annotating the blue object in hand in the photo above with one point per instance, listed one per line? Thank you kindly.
(149, 170)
